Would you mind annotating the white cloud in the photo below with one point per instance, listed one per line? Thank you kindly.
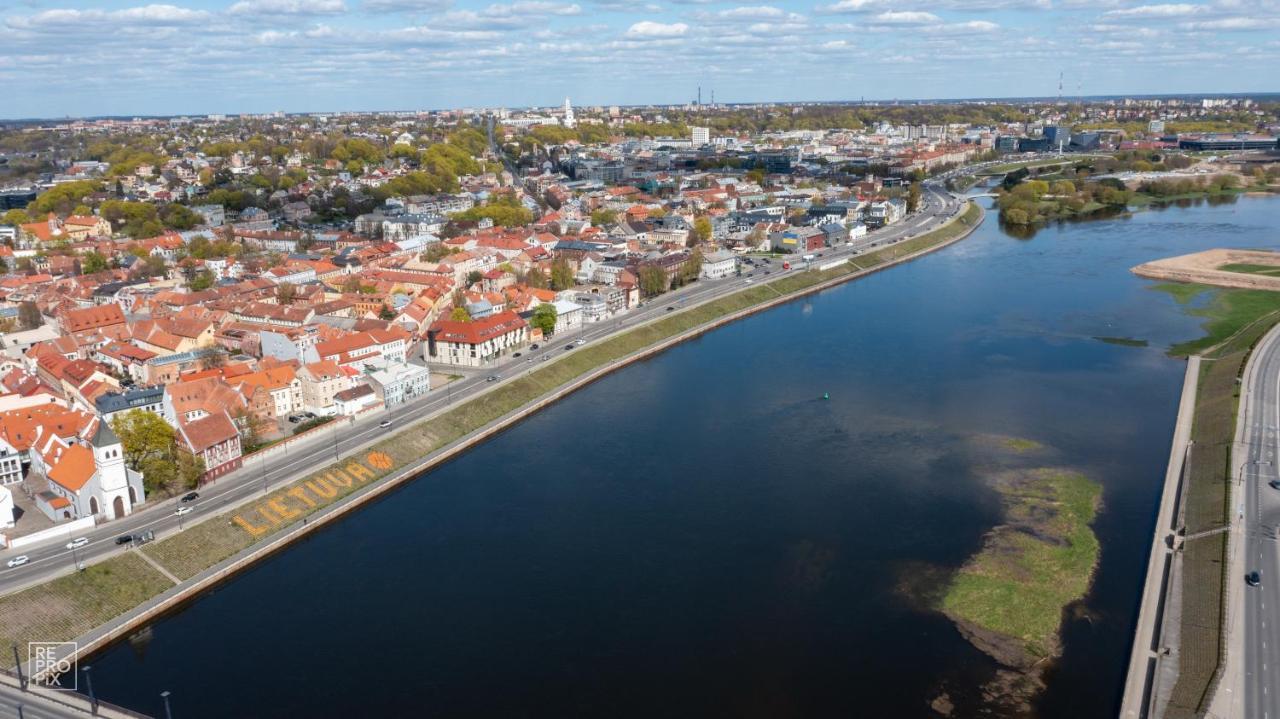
(145, 15)
(906, 18)
(646, 29)
(1158, 11)
(964, 28)
(758, 12)
(405, 5)
(1233, 23)
(288, 7)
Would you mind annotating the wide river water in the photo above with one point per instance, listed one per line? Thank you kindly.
(702, 535)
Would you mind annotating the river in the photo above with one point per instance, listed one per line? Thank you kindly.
(701, 534)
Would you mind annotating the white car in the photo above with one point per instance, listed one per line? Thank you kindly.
(18, 561)
(77, 543)
(182, 510)
(384, 423)
(580, 342)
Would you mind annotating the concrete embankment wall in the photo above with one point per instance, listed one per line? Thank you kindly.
(192, 588)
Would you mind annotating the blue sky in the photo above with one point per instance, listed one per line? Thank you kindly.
(78, 58)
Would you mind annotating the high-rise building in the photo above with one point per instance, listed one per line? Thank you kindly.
(1155, 127)
(700, 136)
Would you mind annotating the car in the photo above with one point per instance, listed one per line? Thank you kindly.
(533, 346)
(766, 272)
(190, 496)
(1253, 579)
(568, 347)
(18, 561)
(309, 415)
(517, 354)
(183, 510)
(293, 418)
(669, 309)
(580, 342)
(384, 423)
(749, 280)
(124, 539)
(77, 542)
(491, 378)
(1274, 484)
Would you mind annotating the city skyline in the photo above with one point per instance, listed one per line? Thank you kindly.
(68, 58)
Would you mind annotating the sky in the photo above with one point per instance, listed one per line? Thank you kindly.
(81, 58)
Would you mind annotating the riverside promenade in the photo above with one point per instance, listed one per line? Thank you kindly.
(1153, 661)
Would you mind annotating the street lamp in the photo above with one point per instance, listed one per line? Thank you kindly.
(88, 683)
(165, 696)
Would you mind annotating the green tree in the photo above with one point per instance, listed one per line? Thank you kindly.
(285, 293)
(913, 197)
(29, 315)
(474, 276)
(701, 231)
(460, 314)
(15, 217)
(202, 281)
(386, 313)
(92, 261)
(544, 318)
(190, 470)
(757, 176)
(561, 274)
(150, 447)
(653, 280)
(536, 279)
(603, 217)
(82, 210)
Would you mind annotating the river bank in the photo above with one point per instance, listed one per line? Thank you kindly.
(83, 606)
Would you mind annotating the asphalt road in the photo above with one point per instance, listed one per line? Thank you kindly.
(259, 476)
(1261, 520)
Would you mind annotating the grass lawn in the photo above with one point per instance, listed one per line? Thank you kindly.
(1229, 312)
(72, 605)
(1033, 566)
(1252, 269)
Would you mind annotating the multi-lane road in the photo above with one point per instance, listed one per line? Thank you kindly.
(1259, 606)
(343, 436)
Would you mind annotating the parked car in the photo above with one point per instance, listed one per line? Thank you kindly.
(384, 423)
(294, 418)
(491, 378)
(517, 354)
(1253, 579)
(183, 510)
(190, 496)
(533, 346)
(1274, 484)
(309, 415)
(18, 561)
(77, 543)
(568, 347)
(669, 309)
(124, 539)
(580, 342)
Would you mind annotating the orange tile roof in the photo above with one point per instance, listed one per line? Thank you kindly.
(74, 467)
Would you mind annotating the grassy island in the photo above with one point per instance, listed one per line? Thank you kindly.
(1038, 561)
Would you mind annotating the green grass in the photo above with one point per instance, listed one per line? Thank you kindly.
(1182, 292)
(1229, 312)
(1019, 444)
(1206, 505)
(1252, 269)
(1020, 582)
(1029, 164)
(1122, 341)
(72, 605)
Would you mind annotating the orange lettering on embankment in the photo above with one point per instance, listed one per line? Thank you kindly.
(290, 504)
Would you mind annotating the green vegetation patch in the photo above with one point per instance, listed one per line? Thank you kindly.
(970, 217)
(1020, 444)
(1122, 341)
(1252, 269)
(1034, 564)
(1229, 312)
(72, 605)
(1206, 507)
(1183, 292)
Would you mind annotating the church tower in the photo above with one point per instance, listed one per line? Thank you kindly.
(113, 480)
(568, 114)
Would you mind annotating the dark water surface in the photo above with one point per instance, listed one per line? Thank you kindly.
(701, 535)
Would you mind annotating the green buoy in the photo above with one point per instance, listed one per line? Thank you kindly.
(826, 395)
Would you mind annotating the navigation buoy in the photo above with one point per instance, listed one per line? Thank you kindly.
(826, 395)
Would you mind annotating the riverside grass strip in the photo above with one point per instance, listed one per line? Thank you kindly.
(69, 606)
(204, 545)
(1206, 506)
